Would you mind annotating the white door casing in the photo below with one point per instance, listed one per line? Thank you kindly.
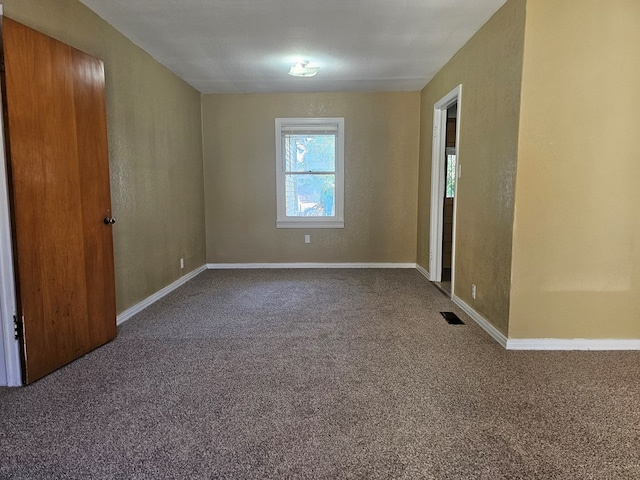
(437, 183)
(9, 347)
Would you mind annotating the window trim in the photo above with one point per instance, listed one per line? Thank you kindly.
(335, 221)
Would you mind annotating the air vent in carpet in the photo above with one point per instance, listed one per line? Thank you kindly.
(451, 318)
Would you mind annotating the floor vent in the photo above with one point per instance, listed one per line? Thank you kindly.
(452, 318)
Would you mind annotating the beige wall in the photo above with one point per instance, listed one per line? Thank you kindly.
(576, 249)
(381, 154)
(489, 67)
(155, 150)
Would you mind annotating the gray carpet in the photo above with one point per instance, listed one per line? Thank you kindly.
(274, 374)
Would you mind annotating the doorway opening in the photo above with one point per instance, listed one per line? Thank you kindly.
(444, 177)
(450, 167)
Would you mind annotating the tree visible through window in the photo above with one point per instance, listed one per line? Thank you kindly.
(310, 175)
(450, 186)
(310, 166)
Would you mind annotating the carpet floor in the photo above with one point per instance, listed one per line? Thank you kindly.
(305, 374)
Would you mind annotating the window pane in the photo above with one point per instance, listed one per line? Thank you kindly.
(310, 153)
(451, 176)
(310, 195)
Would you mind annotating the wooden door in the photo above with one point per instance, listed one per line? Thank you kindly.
(56, 142)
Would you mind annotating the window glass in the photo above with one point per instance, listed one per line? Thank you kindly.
(305, 153)
(451, 176)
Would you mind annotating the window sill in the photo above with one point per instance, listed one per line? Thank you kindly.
(309, 224)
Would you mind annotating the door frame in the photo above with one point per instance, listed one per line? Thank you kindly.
(438, 173)
(9, 345)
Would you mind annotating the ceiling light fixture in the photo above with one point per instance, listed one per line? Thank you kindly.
(302, 69)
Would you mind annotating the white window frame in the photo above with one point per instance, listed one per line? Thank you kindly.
(335, 221)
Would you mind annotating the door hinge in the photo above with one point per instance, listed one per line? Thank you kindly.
(18, 322)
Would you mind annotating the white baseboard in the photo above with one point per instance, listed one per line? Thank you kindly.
(497, 335)
(423, 271)
(227, 266)
(548, 343)
(572, 344)
(130, 312)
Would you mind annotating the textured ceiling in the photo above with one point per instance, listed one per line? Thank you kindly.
(241, 46)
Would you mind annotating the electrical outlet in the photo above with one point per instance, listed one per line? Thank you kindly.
(307, 239)
(473, 291)
(181, 263)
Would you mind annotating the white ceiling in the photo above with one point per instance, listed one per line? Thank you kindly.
(247, 46)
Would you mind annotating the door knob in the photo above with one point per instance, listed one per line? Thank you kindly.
(109, 221)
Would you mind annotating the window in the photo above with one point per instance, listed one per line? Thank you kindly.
(451, 172)
(310, 172)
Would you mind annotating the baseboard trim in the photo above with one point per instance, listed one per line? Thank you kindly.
(130, 312)
(572, 344)
(228, 266)
(423, 271)
(496, 334)
(566, 344)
